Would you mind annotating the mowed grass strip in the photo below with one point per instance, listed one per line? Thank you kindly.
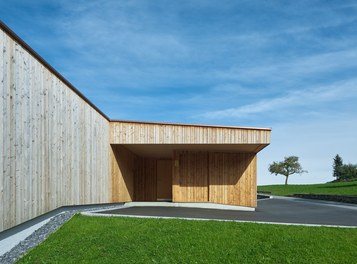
(135, 240)
(337, 188)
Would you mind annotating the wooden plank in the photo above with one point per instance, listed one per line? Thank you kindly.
(76, 155)
(8, 141)
(13, 143)
(34, 91)
(18, 122)
(2, 127)
(26, 110)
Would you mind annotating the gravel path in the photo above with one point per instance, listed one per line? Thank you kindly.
(42, 233)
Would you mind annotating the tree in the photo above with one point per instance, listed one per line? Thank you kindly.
(337, 166)
(289, 166)
(348, 172)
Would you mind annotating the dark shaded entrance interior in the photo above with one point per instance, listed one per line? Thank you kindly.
(152, 179)
(168, 174)
(140, 178)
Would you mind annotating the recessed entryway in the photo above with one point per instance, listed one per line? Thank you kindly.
(164, 180)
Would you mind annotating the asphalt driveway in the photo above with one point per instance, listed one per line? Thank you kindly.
(275, 210)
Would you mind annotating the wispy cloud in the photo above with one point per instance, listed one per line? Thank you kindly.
(255, 63)
(295, 69)
(309, 97)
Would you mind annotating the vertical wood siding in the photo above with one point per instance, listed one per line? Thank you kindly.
(54, 147)
(126, 132)
(227, 178)
(145, 180)
(134, 178)
(122, 174)
(190, 180)
(232, 178)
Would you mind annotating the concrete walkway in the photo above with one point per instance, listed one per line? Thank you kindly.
(190, 205)
(281, 210)
(7, 243)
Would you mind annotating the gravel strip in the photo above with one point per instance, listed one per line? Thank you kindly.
(42, 233)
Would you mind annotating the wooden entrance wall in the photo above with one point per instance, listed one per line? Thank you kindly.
(197, 176)
(122, 174)
(232, 178)
(227, 178)
(190, 181)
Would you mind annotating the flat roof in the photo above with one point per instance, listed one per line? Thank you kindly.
(194, 125)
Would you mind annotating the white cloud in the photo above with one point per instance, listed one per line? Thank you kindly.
(308, 97)
(293, 70)
(246, 61)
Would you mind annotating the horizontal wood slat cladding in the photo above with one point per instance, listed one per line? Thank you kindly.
(232, 178)
(53, 146)
(145, 181)
(122, 173)
(190, 176)
(147, 133)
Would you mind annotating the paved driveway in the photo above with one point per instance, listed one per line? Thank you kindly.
(277, 210)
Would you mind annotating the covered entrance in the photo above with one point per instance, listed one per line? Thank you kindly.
(181, 163)
(197, 175)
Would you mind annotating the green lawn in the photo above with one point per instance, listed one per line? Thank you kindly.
(338, 188)
(133, 240)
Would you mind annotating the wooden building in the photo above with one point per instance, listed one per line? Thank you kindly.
(185, 163)
(58, 149)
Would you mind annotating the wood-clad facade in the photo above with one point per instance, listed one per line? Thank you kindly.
(58, 149)
(232, 178)
(208, 163)
(54, 147)
(129, 132)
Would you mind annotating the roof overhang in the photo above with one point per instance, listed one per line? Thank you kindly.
(165, 151)
(159, 140)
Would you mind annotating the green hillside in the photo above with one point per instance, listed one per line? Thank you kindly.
(337, 188)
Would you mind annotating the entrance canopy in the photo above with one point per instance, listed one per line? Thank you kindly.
(160, 139)
(185, 163)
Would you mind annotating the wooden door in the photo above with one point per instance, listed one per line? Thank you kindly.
(145, 179)
(164, 180)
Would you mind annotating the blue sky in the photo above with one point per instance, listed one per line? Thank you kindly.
(288, 65)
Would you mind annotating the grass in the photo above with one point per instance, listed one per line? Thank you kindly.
(133, 240)
(337, 188)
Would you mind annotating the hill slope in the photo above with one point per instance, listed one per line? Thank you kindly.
(337, 188)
